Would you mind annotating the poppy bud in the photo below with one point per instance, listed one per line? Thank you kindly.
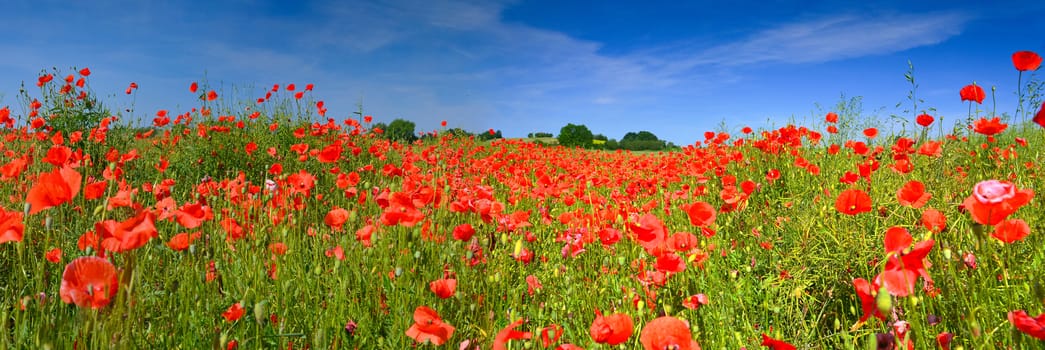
(261, 312)
(883, 300)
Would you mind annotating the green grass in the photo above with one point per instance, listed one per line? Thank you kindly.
(781, 262)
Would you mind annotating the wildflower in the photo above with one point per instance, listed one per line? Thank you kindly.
(53, 189)
(11, 226)
(611, 330)
(924, 120)
(1034, 327)
(993, 201)
(89, 281)
(428, 327)
(774, 344)
(972, 93)
(509, 333)
(989, 127)
(667, 332)
(234, 312)
(1026, 61)
(852, 202)
(443, 287)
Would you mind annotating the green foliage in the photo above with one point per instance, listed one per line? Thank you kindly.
(575, 136)
(401, 130)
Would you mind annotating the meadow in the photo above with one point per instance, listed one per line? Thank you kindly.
(268, 224)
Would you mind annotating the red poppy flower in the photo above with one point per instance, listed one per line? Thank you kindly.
(973, 93)
(234, 312)
(53, 189)
(667, 332)
(989, 127)
(212, 95)
(694, 302)
(831, 117)
(336, 218)
(913, 194)
(1010, 231)
(54, 255)
(463, 232)
(443, 287)
(774, 344)
(11, 226)
(89, 281)
(129, 234)
(903, 269)
(428, 327)
(897, 239)
(993, 201)
(871, 133)
(701, 214)
(924, 120)
(934, 220)
(193, 87)
(867, 292)
(181, 241)
(550, 335)
(509, 333)
(85, 71)
(1032, 326)
(1040, 117)
(612, 330)
(852, 202)
(1026, 60)
(532, 284)
(192, 215)
(649, 231)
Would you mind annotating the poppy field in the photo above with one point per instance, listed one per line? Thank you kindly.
(268, 224)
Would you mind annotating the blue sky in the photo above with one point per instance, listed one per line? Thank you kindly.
(675, 68)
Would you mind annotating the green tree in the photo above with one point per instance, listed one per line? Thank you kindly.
(401, 130)
(640, 136)
(575, 135)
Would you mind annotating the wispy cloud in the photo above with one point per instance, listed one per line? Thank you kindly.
(839, 37)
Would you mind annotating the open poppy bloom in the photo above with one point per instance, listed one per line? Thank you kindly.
(852, 202)
(972, 93)
(701, 214)
(649, 231)
(667, 332)
(924, 120)
(234, 312)
(612, 330)
(776, 344)
(903, 269)
(913, 194)
(989, 127)
(129, 234)
(11, 226)
(89, 282)
(1032, 326)
(53, 188)
(336, 218)
(1026, 60)
(866, 291)
(992, 201)
(428, 327)
(1010, 231)
(934, 220)
(509, 333)
(443, 287)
